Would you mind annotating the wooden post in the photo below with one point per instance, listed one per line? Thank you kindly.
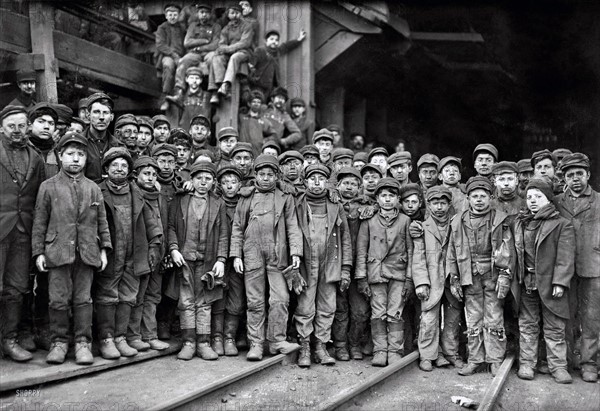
(41, 24)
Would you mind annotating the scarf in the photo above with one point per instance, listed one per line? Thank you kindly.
(479, 214)
(230, 202)
(441, 221)
(149, 194)
(268, 189)
(16, 145)
(44, 145)
(116, 188)
(547, 212)
(162, 179)
(509, 197)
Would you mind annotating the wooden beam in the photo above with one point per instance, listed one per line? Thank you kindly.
(15, 35)
(338, 44)
(433, 36)
(25, 61)
(346, 19)
(41, 24)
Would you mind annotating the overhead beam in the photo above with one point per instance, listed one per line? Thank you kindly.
(25, 61)
(433, 36)
(338, 44)
(41, 24)
(346, 18)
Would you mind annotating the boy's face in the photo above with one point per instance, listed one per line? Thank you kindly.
(370, 179)
(144, 137)
(161, 133)
(536, 200)
(291, 169)
(183, 154)
(203, 15)
(128, 135)
(428, 175)
(193, 81)
(146, 177)
(340, 163)
(348, 187)
(450, 175)
(310, 159)
(166, 163)
(27, 87)
(411, 205)
(118, 169)
(270, 151)
(379, 160)
(14, 127)
(243, 161)
(265, 177)
(278, 101)
(336, 136)
(315, 183)
(544, 168)
(230, 185)
(479, 199)
(439, 207)
(199, 133)
(227, 144)
(524, 178)
(272, 42)
(246, 7)
(358, 142)
(387, 199)
(324, 145)
(203, 182)
(76, 127)
(43, 127)
(506, 183)
(233, 15)
(100, 116)
(484, 163)
(255, 105)
(401, 171)
(577, 179)
(358, 164)
(83, 113)
(298, 111)
(172, 16)
(72, 158)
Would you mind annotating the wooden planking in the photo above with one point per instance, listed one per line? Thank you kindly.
(41, 23)
(459, 37)
(491, 394)
(14, 30)
(228, 109)
(345, 18)
(341, 42)
(331, 107)
(25, 61)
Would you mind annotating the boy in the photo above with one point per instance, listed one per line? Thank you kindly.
(145, 135)
(484, 157)
(290, 164)
(253, 127)
(200, 133)
(310, 152)
(70, 240)
(427, 166)
(198, 244)
(379, 157)
(359, 160)
(450, 175)
(525, 174)
(169, 49)
(183, 143)
(323, 140)
(383, 263)
(506, 198)
(271, 148)
(371, 175)
(162, 128)
(227, 139)
(400, 166)
(243, 159)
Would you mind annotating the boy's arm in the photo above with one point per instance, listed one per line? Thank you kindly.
(294, 132)
(245, 41)
(409, 249)
(419, 263)
(190, 42)
(295, 240)
(362, 250)
(172, 224)
(154, 230)
(237, 231)
(347, 256)
(214, 41)
(223, 246)
(564, 265)
(40, 222)
(103, 231)
(289, 46)
(451, 264)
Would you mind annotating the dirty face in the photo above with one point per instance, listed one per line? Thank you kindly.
(203, 182)
(387, 199)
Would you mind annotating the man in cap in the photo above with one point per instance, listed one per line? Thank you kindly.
(234, 48)
(323, 140)
(126, 131)
(227, 138)
(400, 166)
(287, 132)
(265, 238)
(506, 180)
(484, 157)
(481, 258)
(21, 173)
(198, 244)
(70, 241)
(450, 175)
(306, 126)
(82, 110)
(145, 135)
(65, 114)
(243, 158)
(581, 204)
(26, 81)
(253, 127)
(427, 167)
(525, 174)
(328, 245)
(340, 157)
(291, 165)
(193, 101)
(100, 109)
(162, 129)
(169, 47)
(357, 142)
(379, 157)
(200, 133)
(432, 287)
(558, 155)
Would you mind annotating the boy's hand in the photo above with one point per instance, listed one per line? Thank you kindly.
(456, 288)
(103, 259)
(295, 261)
(40, 263)
(153, 256)
(422, 292)
(415, 229)
(219, 269)
(238, 265)
(177, 258)
(302, 35)
(363, 287)
(188, 186)
(558, 291)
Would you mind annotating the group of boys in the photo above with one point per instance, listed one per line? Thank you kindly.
(126, 230)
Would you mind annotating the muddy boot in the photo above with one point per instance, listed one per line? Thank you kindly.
(456, 361)
(105, 323)
(58, 352)
(589, 373)
(11, 348)
(83, 353)
(562, 376)
(304, 356)
(230, 330)
(322, 355)
(216, 326)
(139, 345)
(341, 352)
(356, 353)
(525, 372)
(395, 337)
(26, 341)
(11, 313)
(441, 361)
(188, 348)
(203, 348)
(157, 344)
(256, 352)
(282, 347)
(125, 349)
(59, 326)
(123, 313)
(380, 343)
(368, 348)
(469, 369)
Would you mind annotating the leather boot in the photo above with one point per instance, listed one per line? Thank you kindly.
(26, 341)
(216, 326)
(395, 337)
(230, 330)
(158, 345)
(11, 348)
(11, 313)
(203, 348)
(304, 356)
(469, 369)
(282, 347)
(356, 353)
(341, 352)
(58, 352)
(83, 353)
(82, 322)
(322, 355)
(188, 349)
(124, 348)
(256, 352)
(105, 319)
(380, 342)
(122, 316)
(139, 345)
(176, 98)
(108, 350)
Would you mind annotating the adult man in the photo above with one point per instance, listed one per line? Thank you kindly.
(287, 131)
(357, 142)
(169, 48)
(306, 126)
(484, 157)
(581, 205)
(253, 128)
(26, 81)
(21, 172)
(126, 131)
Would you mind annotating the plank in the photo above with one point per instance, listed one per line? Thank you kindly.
(491, 394)
(25, 61)
(41, 22)
(348, 20)
(433, 36)
(341, 42)
(15, 30)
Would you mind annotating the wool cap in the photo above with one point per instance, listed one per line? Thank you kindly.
(172, 6)
(560, 153)
(541, 155)
(228, 168)
(361, 156)
(377, 150)
(204, 6)
(204, 153)
(317, 168)
(26, 75)
(322, 133)
(266, 160)
(297, 101)
(78, 121)
(194, 71)
(83, 103)
(575, 160)
(438, 192)
(505, 167)
(449, 160)
(290, 155)
(41, 109)
(428, 158)
(126, 119)
(145, 161)
(200, 119)
(272, 32)
(234, 6)
(180, 137)
(272, 144)
(117, 152)
(279, 91)
(370, 167)
(160, 119)
(489, 148)
(340, 153)
(203, 165)
(71, 137)
(309, 150)
(389, 183)
(398, 158)
(544, 184)
(65, 113)
(348, 172)
(10, 110)
(257, 94)
(164, 149)
(100, 96)
(479, 182)
(227, 132)
(410, 189)
(524, 165)
(145, 121)
(334, 127)
(239, 147)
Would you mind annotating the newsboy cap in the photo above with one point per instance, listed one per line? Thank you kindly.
(575, 160)
(205, 166)
(340, 153)
(126, 119)
(370, 167)
(322, 133)
(524, 165)
(10, 110)
(290, 155)
(228, 168)
(544, 184)
(377, 151)
(541, 155)
(145, 161)
(410, 189)
(26, 75)
(41, 109)
(505, 167)
(487, 147)
(117, 152)
(98, 97)
(65, 113)
(164, 149)
(348, 172)
(239, 147)
(398, 158)
(317, 168)
(227, 132)
(449, 160)
(481, 182)
(389, 183)
(266, 160)
(438, 192)
(428, 158)
(71, 137)
(309, 150)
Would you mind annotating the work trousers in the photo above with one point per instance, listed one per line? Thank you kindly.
(589, 313)
(316, 309)
(224, 68)
(168, 74)
(195, 299)
(388, 300)
(200, 60)
(15, 255)
(117, 286)
(152, 297)
(453, 313)
(360, 311)
(135, 319)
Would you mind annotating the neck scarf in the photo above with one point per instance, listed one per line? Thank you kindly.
(441, 221)
(165, 179)
(266, 189)
(44, 145)
(116, 187)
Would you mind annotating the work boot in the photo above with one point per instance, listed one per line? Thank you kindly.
(380, 359)
(525, 372)
(441, 361)
(26, 341)
(356, 353)
(494, 368)
(543, 368)
(589, 373)
(380, 342)
(157, 344)
(229, 348)
(230, 327)
(562, 376)
(304, 355)
(42, 338)
(58, 352)
(11, 348)
(256, 352)
(469, 369)
(341, 352)
(216, 332)
(187, 351)
(217, 346)
(83, 353)
(456, 361)
(108, 350)
(367, 348)
(322, 355)
(163, 331)
(426, 365)
(176, 98)
(139, 345)
(282, 347)
(205, 351)
(124, 348)
(395, 338)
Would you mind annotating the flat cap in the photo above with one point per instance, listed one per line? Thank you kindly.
(317, 168)
(10, 110)
(524, 165)
(172, 6)
(428, 158)
(160, 119)
(234, 6)
(125, 120)
(180, 137)
(272, 32)
(370, 167)
(228, 168)
(389, 183)
(200, 119)
(273, 144)
(83, 103)
(360, 156)
(26, 75)
(320, 134)
(449, 160)
(541, 155)
(544, 184)
(194, 71)
(290, 155)
(71, 137)
(164, 149)
(41, 109)
(227, 132)
(377, 151)
(559, 153)
(78, 121)
(309, 150)
(204, 6)
(505, 167)
(65, 113)
(240, 147)
(348, 172)
(145, 161)
(410, 189)
(117, 152)
(280, 91)
(334, 127)
(438, 192)
(100, 96)
(145, 121)
(266, 160)
(257, 94)
(479, 182)
(204, 153)
(398, 158)
(487, 147)
(341, 152)
(205, 166)
(575, 160)
(297, 101)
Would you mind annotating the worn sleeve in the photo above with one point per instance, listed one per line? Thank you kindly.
(245, 42)
(40, 221)
(190, 42)
(162, 45)
(409, 249)
(154, 230)
(564, 266)
(294, 134)
(362, 250)
(289, 46)
(347, 256)
(237, 229)
(451, 263)
(172, 225)
(295, 240)
(103, 230)
(223, 246)
(420, 274)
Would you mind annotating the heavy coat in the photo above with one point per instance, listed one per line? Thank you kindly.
(146, 230)
(384, 254)
(217, 240)
(17, 200)
(339, 244)
(586, 222)
(286, 232)
(169, 41)
(60, 230)
(554, 260)
(283, 125)
(266, 73)
(93, 164)
(429, 262)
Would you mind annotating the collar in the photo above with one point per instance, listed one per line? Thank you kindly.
(586, 193)
(72, 178)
